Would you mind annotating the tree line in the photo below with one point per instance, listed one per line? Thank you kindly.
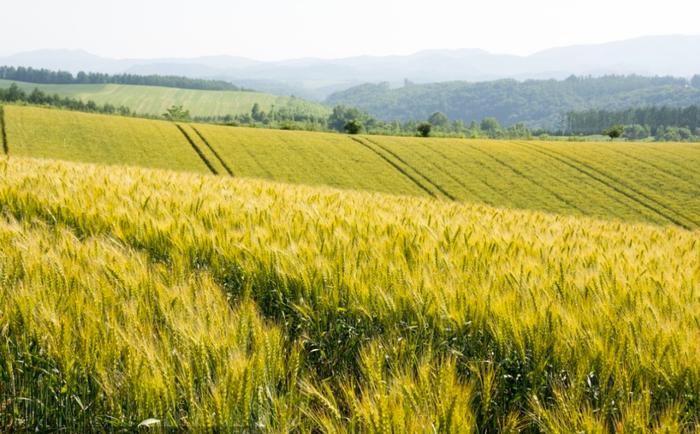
(350, 120)
(537, 103)
(45, 76)
(664, 123)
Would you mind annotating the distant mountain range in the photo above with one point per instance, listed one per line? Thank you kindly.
(675, 55)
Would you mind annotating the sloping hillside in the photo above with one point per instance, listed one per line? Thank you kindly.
(154, 100)
(645, 182)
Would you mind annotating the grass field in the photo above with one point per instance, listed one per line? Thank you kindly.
(47, 133)
(637, 182)
(223, 304)
(154, 100)
(307, 158)
(652, 182)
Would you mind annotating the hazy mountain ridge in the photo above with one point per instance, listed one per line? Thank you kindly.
(310, 77)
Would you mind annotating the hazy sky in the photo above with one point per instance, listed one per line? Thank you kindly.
(276, 29)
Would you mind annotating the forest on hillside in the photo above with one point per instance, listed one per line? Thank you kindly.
(45, 76)
(536, 103)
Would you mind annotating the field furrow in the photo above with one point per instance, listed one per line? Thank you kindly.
(396, 156)
(213, 151)
(308, 158)
(91, 138)
(537, 189)
(612, 184)
(197, 149)
(633, 180)
(3, 132)
(396, 166)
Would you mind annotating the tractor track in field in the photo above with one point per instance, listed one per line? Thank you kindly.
(447, 172)
(650, 163)
(395, 166)
(197, 150)
(213, 151)
(491, 188)
(609, 181)
(428, 180)
(3, 132)
(522, 174)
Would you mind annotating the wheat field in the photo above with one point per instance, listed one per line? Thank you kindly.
(635, 182)
(136, 296)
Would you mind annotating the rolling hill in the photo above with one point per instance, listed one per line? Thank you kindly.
(639, 182)
(135, 298)
(152, 100)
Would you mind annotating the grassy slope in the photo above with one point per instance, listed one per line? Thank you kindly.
(630, 181)
(46, 133)
(155, 100)
(138, 294)
(650, 182)
(655, 182)
(307, 158)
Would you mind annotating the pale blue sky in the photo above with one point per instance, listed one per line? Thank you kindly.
(277, 29)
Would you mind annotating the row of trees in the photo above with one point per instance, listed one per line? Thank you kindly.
(650, 118)
(662, 133)
(45, 76)
(353, 121)
(293, 117)
(538, 103)
(14, 94)
(350, 120)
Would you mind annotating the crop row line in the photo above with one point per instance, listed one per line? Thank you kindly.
(3, 132)
(639, 192)
(460, 150)
(448, 173)
(522, 174)
(652, 164)
(397, 167)
(430, 181)
(213, 151)
(609, 182)
(197, 150)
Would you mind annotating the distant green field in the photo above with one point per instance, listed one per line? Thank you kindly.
(154, 100)
(648, 182)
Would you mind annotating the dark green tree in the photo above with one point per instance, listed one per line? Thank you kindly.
(341, 115)
(353, 127)
(424, 129)
(256, 113)
(614, 132)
